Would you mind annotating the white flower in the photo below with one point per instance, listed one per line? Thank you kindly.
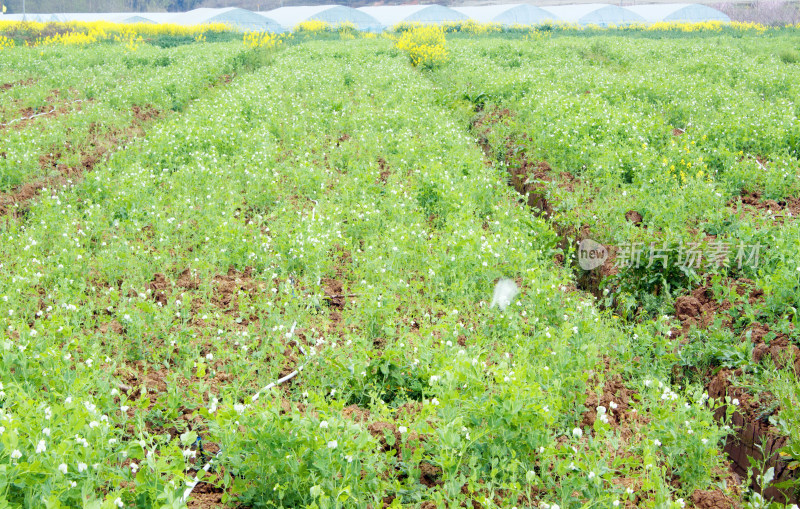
(81, 467)
(591, 475)
(615, 503)
(680, 502)
(323, 425)
(435, 402)
(735, 401)
(657, 442)
(41, 447)
(118, 502)
(46, 431)
(63, 467)
(73, 484)
(613, 405)
(2, 430)
(94, 424)
(402, 429)
(434, 379)
(349, 458)
(239, 408)
(124, 408)
(15, 455)
(577, 433)
(134, 467)
(333, 444)
(629, 491)
(705, 441)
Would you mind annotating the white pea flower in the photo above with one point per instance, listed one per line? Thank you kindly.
(333, 444)
(41, 447)
(577, 433)
(63, 467)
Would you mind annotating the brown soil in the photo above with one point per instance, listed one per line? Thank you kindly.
(430, 475)
(750, 203)
(145, 113)
(753, 434)
(711, 500)
(383, 166)
(228, 287)
(160, 286)
(205, 495)
(333, 292)
(21, 83)
(380, 430)
(355, 413)
(776, 346)
(187, 281)
(112, 326)
(620, 418)
(98, 143)
(700, 308)
(634, 217)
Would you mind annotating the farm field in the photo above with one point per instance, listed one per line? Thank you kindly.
(184, 225)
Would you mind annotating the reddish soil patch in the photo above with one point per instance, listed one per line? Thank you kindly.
(776, 346)
(227, 287)
(159, 286)
(135, 378)
(188, 281)
(383, 166)
(381, 430)
(700, 308)
(634, 217)
(21, 83)
(753, 435)
(112, 326)
(98, 143)
(711, 500)
(333, 292)
(750, 203)
(430, 475)
(620, 418)
(53, 107)
(355, 413)
(205, 495)
(145, 113)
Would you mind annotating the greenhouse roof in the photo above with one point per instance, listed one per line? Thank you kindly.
(390, 15)
(113, 17)
(594, 14)
(685, 13)
(239, 18)
(508, 14)
(289, 17)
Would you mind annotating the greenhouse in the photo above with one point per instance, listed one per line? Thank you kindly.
(679, 13)
(390, 15)
(593, 14)
(113, 17)
(512, 14)
(235, 17)
(289, 17)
